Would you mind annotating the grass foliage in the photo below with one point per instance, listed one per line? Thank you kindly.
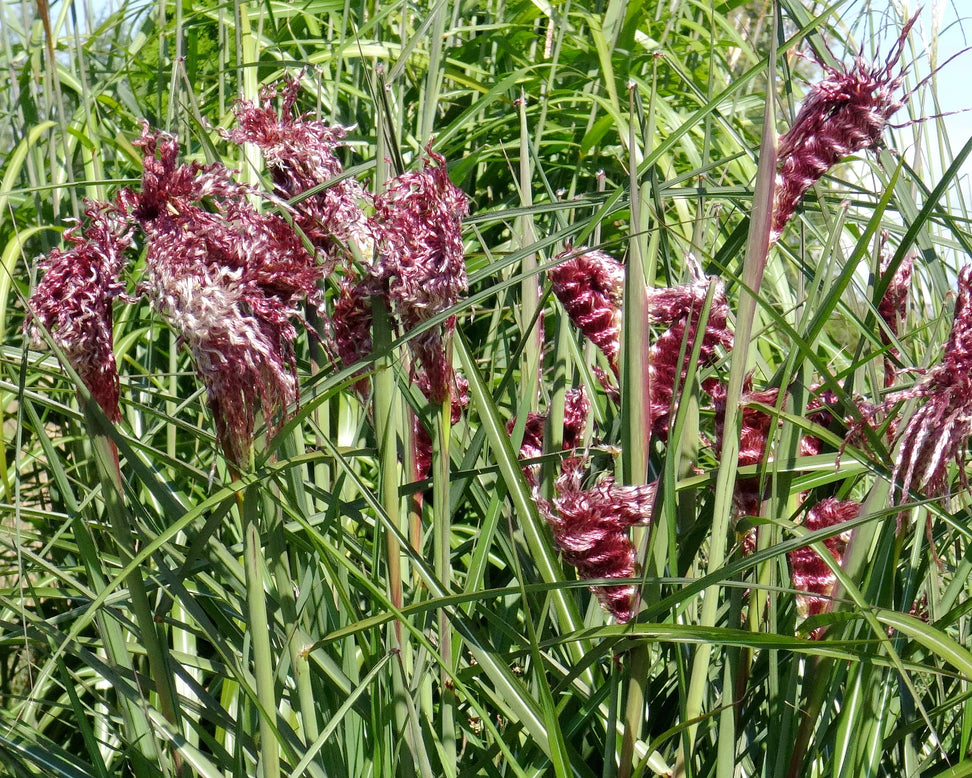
(446, 636)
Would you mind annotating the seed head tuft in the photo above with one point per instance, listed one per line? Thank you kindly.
(300, 153)
(813, 579)
(591, 527)
(845, 113)
(74, 299)
(228, 279)
(590, 285)
(418, 224)
(681, 307)
(938, 430)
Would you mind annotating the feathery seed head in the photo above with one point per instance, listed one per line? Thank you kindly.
(590, 285)
(418, 227)
(228, 279)
(351, 321)
(422, 440)
(681, 307)
(591, 527)
(577, 410)
(892, 309)
(938, 430)
(74, 299)
(300, 154)
(813, 579)
(845, 113)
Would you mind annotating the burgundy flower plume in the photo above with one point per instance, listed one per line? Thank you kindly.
(300, 154)
(422, 440)
(418, 223)
(812, 577)
(845, 113)
(681, 308)
(577, 409)
(591, 527)
(228, 279)
(590, 286)
(938, 430)
(74, 299)
(351, 322)
(893, 308)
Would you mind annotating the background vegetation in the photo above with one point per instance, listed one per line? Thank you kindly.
(468, 647)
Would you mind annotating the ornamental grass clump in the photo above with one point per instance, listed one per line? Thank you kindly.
(74, 299)
(845, 113)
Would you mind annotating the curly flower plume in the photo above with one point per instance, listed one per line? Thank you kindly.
(681, 307)
(228, 279)
(418, 224)
(351, 323)
(577, 410)
(74, 299)
(591, 527)
(843, 114)
(300, 154)
(421, 438)
(590, 285)
(893, 308)
(938, 430)
(812, 577)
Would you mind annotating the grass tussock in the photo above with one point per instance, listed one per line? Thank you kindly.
(452, 390)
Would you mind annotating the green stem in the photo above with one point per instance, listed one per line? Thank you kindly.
(754, 264)
(524, 236)
(264, 662)
(156, 649)
(387, 415)
(636, 433)
(442, 523)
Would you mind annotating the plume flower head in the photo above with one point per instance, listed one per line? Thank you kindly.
(681, 308)
(301, 154)
(939, 428)
(590, 285)
(73, 300)
(577, 411)
(844, 113)
(591, 526)
(892, 309)
(418, 225)
(812, 577)
(422, 440)
(351, 322)
(228, 279)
